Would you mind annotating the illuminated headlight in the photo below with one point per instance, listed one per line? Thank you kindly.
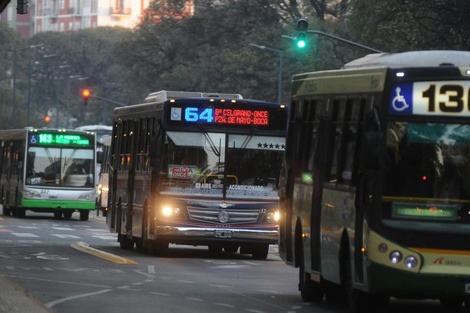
(272, 216)
(87, 196)
(170, 211)
(31, 194)
(410, 262)
(395, 257)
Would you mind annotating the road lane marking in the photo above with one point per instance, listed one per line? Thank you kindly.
(52, 303)
(65, 236)
(25, 235)
(84, 247)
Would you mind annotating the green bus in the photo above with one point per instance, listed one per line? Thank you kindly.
(47, 170)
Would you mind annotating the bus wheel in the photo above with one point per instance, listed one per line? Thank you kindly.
(20, 212)
(260, 252)
(126, 243)
(230, 248)
(68, 214)
(84, 215)
(310, 291)
(57, 214)
(158, 248)
(215, 249)
(6, 211)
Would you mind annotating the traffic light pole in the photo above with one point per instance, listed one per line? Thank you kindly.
(317, 32)
(108, 100)
(343, 40)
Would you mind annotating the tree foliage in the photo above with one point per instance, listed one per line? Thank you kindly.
(210, 51)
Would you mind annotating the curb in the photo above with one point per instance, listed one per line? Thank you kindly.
(84, 247)
(15, 299)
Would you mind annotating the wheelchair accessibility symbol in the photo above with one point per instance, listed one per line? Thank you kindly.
(399, 102)
(401, 99)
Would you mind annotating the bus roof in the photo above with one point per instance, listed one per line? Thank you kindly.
(94, 128)
(163, 95)
(424, 58)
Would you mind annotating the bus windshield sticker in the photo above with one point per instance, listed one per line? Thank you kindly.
(438, 98)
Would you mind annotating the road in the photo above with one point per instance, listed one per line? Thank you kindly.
(50, 260)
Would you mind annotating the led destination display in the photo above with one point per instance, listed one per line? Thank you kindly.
(240, 116)
(59, 139)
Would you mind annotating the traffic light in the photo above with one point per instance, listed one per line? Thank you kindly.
(86, 93)
(47, 118)
(301, 26)
(22, 7)
(300, 40)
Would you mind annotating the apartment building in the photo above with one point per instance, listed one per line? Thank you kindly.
(69, 15)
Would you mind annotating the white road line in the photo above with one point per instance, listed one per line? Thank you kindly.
(24, 235)
(52, 303)
(65, 236)
(224, 305)
(62, 228)
(159, 294)
(195, 299)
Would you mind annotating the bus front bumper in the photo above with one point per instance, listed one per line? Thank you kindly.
(196, 235)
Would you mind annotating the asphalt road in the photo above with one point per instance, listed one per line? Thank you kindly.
(75, 266)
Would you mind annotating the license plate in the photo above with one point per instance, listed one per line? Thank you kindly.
(223, 233)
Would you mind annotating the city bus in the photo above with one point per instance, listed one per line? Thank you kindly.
(374, 188)
(47, 170)
(195, 169)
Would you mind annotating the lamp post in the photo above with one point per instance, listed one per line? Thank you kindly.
(58, 78)
(279, 82)
(69, 79)
(30, 70)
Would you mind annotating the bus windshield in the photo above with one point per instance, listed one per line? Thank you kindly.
(427, 172)
(65, 167)
(218, 164)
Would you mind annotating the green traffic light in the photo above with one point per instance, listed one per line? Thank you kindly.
(300, 41)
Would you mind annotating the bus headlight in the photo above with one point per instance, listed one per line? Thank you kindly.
(410, 262)
(395, 257)
(31, 194)
(87, 196)
(168, 211)
(272, 216)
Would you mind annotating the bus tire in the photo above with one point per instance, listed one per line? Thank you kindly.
(84, 215)
(57, 214)
(215, 249)
(230, 248)
(68, 214)
(20, 212)
(6, 210)
(260, 252)
(126, 243)
(158, 248)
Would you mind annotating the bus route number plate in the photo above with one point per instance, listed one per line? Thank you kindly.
(223, 233)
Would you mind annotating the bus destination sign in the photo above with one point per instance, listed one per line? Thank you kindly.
(58, 139)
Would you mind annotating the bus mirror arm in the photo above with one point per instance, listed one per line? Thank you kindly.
(372, 143)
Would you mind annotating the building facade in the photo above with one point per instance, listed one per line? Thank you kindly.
(70, 15)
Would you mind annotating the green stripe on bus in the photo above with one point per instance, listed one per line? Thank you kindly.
(63, 204)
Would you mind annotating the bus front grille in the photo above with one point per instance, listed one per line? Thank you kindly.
(209, 215)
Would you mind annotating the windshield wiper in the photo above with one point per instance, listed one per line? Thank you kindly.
(209, 139)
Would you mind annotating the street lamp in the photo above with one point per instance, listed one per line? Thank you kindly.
(279, 82)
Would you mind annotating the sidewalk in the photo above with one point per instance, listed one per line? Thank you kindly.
(14, 299)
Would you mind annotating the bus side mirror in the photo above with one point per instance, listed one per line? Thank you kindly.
(372, 144)
(99, 157)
